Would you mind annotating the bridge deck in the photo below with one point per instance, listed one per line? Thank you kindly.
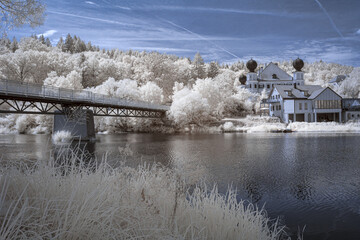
(12, 90)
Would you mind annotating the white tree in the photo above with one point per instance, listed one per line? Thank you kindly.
(198, 66)
(213, 69)
(15, 13)
(14, 45)
(150, 92)
(350, 87)
(27, 44)
(71, 81)
(189, 107)
(125, 89)
(16, 66)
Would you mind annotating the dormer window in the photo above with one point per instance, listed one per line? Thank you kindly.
(289, 93)
(306, 93)
(274, 76)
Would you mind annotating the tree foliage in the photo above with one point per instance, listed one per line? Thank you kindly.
(15, 13)
(198, 92)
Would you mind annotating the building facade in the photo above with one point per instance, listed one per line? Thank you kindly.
(266, 78)
(305, 103)
(351, 109)
(293, 101)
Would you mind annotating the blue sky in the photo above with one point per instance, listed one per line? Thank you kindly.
(224, 31)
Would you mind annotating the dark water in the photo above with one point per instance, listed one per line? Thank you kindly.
(310, 180)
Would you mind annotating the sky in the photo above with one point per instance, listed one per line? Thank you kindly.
(225, 31)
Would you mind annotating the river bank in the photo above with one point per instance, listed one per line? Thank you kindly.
(68, 198)
(39, 124)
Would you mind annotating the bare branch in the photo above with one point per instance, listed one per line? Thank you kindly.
(15, 13)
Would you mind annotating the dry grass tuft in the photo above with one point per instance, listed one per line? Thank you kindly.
(77, 200)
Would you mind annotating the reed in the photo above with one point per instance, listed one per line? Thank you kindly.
(74, 199)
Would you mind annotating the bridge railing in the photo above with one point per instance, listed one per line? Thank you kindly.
(50, 92)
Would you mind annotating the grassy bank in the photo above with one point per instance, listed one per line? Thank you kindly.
(74, 200)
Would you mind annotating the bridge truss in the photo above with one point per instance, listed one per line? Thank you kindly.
(37, 99)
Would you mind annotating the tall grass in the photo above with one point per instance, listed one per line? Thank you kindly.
(61, 137)
(78, 200)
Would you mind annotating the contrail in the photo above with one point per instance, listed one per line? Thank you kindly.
(199, 36)
(331, 21)
(94, 19)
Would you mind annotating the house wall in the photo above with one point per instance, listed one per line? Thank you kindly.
(271, 69)
(288, 106)
(302, 102)
(351, 115)
(328, 94)
(276, 106)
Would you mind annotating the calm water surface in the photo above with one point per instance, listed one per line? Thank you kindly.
(310, 180)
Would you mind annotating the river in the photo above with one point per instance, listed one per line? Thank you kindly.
(305, 179)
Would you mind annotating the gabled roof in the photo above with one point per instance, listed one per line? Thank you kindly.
(298, 92)
(270, 69)
(316, 93)
(355, 104)
(309, 88)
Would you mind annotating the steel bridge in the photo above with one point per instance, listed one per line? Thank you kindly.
(28, 98)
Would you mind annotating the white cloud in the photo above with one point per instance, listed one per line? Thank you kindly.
(163, 49)
(91, 3)
(48, 33)
(358, 32)
(121, 7)
(322, 50)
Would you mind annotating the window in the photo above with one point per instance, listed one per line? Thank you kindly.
(305, 106)
(300, 106)
(274, 76)
(255, 86)
(328, 104)
(279, 107)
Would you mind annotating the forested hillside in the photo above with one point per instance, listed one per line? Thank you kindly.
(198, 92)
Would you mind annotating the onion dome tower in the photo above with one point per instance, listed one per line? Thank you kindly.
(298, 64)
(251, 77)
(298, 78)
(251, 65)
(242, 79)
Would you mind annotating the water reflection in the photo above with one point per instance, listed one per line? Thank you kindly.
(75, 153)
(309, 179)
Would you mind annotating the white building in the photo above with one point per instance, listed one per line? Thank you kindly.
(351, 109)
(304, 103)
(271, 75)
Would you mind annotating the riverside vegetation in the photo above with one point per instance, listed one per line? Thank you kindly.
(197, 92)
(71, 198)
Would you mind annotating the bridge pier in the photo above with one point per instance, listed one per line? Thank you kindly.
(79, 122)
